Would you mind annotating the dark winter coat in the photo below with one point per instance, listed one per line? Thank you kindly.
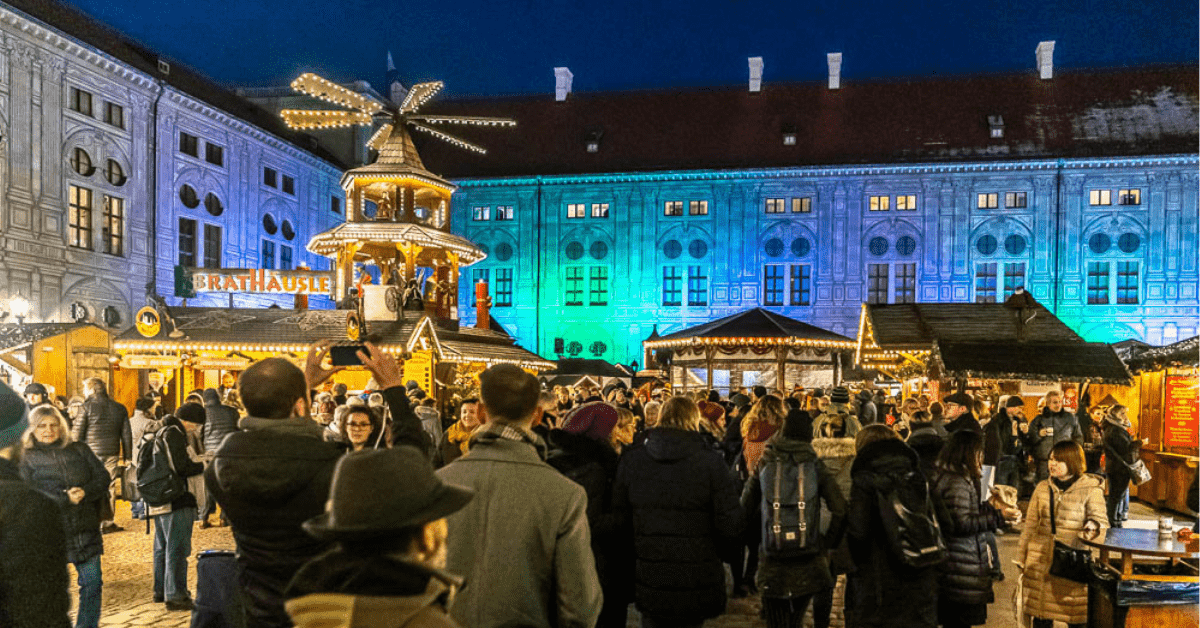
(104, 426)
(965, 575)
(679, 507)
(838, 456)
(927, 442)
(176, 435)
(219, 420)
(965, 421)
(1122, 451)
(784, 578)
(998, 439)
(33, 555)
(888, 593)
(52, 470)
(1065, 425)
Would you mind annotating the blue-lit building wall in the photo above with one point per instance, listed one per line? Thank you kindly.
(1110, 245)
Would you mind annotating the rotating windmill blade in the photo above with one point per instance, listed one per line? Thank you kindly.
(395, 118)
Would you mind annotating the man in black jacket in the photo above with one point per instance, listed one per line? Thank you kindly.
(275, 473)
(173, 523)
(104, 426)
(220, 421)
(958, 413)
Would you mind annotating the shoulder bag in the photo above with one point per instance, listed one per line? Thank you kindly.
(1068, 562)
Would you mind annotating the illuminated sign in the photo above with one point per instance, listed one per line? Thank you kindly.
(262, 281)
(147, 322)
(150, 362)
(1181, 411)
(204, 363)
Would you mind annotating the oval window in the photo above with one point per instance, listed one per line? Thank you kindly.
(269, 224)
(187, 196)
(672, 249)
(774, 247)
(1014, 244)
(878, 246)
(486, 250)
(599, 250)
(81, 162)
(287, 230)
(986, 245)
(114, 173)
(697, 249)
(801, 247)
(504, 251)
(1099, 243)
(1129, 242)
(213, 205)
(574, 250)
(906, 245)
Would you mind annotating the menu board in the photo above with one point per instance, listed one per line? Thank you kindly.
(1181, 412)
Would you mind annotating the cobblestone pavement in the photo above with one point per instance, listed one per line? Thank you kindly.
(128, 580)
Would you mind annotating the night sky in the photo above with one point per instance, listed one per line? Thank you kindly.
(486, 47)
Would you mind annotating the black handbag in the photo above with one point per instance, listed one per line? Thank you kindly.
(1068, 562)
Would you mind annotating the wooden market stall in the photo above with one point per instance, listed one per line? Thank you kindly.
(57, 355)
(1163, 407)
(586, 373)
(779, 351)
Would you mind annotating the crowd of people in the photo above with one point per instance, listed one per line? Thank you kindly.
(533, 507)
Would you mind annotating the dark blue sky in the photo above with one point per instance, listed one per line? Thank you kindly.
(498, 47)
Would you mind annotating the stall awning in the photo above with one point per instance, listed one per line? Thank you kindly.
(1078, 362)
(753, 327)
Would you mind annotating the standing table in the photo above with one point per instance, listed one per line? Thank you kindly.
(1120, 598)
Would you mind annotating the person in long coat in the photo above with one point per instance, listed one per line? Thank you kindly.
(835, 448)
(1078, 513)
(1122, 451)
(678, 508)
(69, 473)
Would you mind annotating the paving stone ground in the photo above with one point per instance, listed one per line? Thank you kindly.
(128, 579)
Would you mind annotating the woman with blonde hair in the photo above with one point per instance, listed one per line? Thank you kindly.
(760, 424)
(622, 434)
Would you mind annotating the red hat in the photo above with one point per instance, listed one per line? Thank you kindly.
(712, 412)
(594, 420)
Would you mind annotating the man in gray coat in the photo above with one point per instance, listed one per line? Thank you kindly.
(1054, 425)
(523, 543)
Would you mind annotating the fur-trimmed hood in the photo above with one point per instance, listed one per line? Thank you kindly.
(834, 447)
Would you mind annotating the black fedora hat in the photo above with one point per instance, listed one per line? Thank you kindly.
(381, 491)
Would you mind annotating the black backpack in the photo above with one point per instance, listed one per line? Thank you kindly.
(791, 510)
(910, 521)
(157, 480)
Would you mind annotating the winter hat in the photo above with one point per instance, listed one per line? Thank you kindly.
(960, 398)
(1014, 401)
(739, 400)
(839, 395)
(798, 425)
(191, 413)
(594, 420)
(35, 389)
(13, 418)
(712, 412)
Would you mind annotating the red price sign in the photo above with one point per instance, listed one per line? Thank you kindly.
(1181, 412)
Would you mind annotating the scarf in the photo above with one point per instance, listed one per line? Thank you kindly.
(1063, 485)
(494, 431)
(1122, 423)
(459, 435)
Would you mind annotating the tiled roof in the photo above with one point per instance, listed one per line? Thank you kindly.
(76, 24)
(1078, 361)
(756, 323)
(1121, 112)
(918, 325)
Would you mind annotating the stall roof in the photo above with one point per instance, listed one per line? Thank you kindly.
(754, 323)
(1080, 361)
(14, 336)
(917, 325)
(1144, 357)
(583, 366)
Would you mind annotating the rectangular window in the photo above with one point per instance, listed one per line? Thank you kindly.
(987, 201)
(114, 114)
(335, 205)
(289, 185)
(599, 210)
(187, 242)
(1097, 283)
(598, 286)
(212, 246)
(1014, 277)
(189, 144)
(697, 286)
(113, 233)
(906, 283)
(481, 212)
(673, 208)
(1129, 197)
(985, 283)
(269, 177)
(268, 255)
(574, 285)
(285, 257)
(504, 288)
(1100, 197)
(504, 212)
(773, 284)
(576, 210)
(775, 206)
(672, 286)
(81, 101)
(877, 283)
(215, 154)
(80, 229)
(1014, 200)
(906, 201)
(698, 208)
(478, 275)
(801, 285)
(802, 205)
(880, 203)
(1127, 283)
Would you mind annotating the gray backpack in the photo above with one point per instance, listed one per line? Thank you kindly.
(791, 510)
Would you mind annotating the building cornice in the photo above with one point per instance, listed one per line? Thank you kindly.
(869, 170)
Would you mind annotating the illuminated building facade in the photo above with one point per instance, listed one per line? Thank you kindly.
(608, 214)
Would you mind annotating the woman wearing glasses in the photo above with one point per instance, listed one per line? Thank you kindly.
(361, 429)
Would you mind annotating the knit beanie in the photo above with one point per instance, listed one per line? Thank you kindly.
(1014, 401)
(191, 413)
(839, 395)
(713, 412)
(13, 418)
(594, 420)
(798, 425)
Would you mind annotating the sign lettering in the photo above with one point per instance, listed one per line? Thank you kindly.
(1181, 411)
(261, 281)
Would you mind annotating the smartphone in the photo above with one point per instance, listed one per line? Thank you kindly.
(347, 355)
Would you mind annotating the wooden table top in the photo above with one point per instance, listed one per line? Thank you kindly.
(1145, 542)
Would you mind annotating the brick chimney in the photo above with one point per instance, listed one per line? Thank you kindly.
(756, 68)
(1045, 60)
(834, 60)
(483, 304)
(562, 83)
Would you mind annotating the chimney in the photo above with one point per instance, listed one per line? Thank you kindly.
(562, 83)
(483, 304)
(834, 59)
(1045, 60)
(756, 68)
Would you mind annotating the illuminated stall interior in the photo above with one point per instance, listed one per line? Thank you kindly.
(57, 355)
(755, 347)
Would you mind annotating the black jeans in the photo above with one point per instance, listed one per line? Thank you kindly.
(785, 613)
(822, 602)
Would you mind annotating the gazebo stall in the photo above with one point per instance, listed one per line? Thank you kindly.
(586, 372)
(778, 350)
